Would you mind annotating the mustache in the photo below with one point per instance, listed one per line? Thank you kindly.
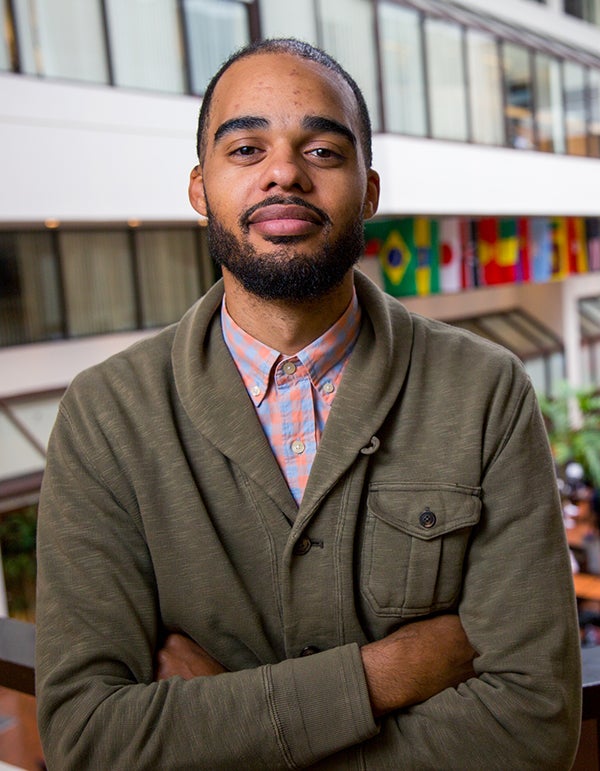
(283, 200)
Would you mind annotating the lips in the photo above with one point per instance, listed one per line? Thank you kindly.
(285, 220)
(284, 212)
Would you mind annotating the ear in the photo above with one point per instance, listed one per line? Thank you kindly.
(372, 195)
(196, 191)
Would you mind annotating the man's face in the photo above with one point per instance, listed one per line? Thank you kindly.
(284, 182)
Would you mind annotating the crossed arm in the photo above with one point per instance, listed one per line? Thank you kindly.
(102, 704)
(408, 666)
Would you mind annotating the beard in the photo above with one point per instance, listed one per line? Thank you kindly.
(287, 273)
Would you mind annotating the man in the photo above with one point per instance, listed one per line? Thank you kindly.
(302, 528)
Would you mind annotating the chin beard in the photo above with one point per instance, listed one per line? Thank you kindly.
(287, 273)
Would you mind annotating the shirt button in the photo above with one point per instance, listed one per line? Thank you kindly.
(289, 367)
(302, 547)
(298, 447)
(328, 387)
(427, 518)
(309, 650)
(255, 391)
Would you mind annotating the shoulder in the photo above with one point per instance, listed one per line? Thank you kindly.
(437, 346)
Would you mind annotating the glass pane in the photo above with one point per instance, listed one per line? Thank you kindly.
(519, 100)
(29, 289)
(575, 107)
(295, 19)
(168, 274)
(347, 30)
(594, 127)
(595, 366)
(37, 414)
(62, 38)
(446, 80)
(145, 44)
(557, 371)
(587, 366)
(589, 317)
(214, 30)
(98, 282)
(17, 455)
(402, 65)
(549, 107)
(536, 371)
(588, 10)
(485, 88)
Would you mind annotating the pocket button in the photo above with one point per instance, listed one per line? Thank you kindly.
(427, 518)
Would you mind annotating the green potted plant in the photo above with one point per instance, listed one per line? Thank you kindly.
(17, 541)
(572, 419)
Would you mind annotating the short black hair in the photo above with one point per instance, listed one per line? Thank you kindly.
(295, 48)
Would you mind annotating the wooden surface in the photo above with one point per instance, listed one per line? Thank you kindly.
(587, 586)
(19, 739)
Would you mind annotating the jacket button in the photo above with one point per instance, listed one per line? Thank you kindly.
(302, 546)
(309, 650)
(427, 518)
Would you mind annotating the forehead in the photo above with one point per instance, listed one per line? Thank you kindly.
(281, 85)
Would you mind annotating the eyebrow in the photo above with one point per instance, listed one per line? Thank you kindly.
(309, 122)
(329, 126)
(243, 123)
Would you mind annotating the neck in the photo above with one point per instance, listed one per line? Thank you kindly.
(286, 326)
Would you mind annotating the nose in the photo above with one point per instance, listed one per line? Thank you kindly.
(284, 168)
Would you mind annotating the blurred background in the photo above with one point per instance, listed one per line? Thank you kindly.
(487, 137)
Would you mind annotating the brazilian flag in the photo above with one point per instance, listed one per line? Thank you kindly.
(409, 254)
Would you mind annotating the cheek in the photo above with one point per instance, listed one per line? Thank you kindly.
(222, 206)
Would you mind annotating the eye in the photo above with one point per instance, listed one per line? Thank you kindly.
(245, 150)
(323, 152)
(325, 155)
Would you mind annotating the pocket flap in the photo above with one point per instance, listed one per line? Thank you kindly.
(425, 510)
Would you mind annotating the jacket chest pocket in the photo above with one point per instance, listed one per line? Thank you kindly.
(415, 540)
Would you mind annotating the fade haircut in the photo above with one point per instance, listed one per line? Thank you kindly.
(295, 48)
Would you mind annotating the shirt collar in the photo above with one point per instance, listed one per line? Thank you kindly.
(256, 361)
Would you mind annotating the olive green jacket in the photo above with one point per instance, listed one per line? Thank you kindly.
(163, 508)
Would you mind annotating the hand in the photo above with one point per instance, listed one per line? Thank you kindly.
(181, 656)
(416, 662)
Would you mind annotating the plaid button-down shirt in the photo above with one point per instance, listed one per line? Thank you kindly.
(293, 394)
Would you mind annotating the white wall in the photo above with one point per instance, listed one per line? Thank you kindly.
(93, 153)
(83, 154)
(421, 176)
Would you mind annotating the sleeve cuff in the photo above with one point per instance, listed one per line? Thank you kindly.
(320, 704)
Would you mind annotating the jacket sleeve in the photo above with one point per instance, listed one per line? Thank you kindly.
(523, 711)
(97, 627)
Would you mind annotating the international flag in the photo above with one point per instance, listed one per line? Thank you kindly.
(576, 244)
(470, 264)
(450, 255)
(592, 232)
(397, 254)
(498, 250)
(508, 251)
(427, 269)
(541, 249)
(487, 249)
(408, 254)
(560, 248)
(523, 270)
